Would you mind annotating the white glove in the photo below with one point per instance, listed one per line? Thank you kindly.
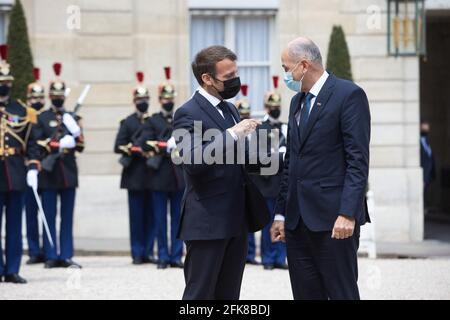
(171, 145)
(71, 125)
(67, 142)
(32, 178)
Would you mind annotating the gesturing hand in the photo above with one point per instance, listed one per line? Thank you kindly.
(245, 127)
(343, 227)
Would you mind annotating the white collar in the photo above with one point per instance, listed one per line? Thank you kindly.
(315, 90)
(213, 100)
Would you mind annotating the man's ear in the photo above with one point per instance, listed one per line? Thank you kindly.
(207, 79)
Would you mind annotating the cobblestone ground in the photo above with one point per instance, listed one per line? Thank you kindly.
(116, 278)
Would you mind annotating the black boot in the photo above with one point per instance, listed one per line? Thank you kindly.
(15, 278)
(51, 264)
(69, 263)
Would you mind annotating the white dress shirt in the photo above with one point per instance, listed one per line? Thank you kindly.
(215, 102)
(315, 90)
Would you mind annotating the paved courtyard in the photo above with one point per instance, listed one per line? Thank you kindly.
(116, 278)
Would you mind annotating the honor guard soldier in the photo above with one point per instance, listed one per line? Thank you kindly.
(243, 104)
(16, 143)
(244, 109)
(167, 183)
(273, 254)
(35, 100)
(59, 136)
(136, 176)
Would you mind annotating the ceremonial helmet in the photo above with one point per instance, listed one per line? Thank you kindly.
(166, 90)
(35, 89)
(273, 98)
(140, 91)
(5, 70)
(242, 104)
(57, 86)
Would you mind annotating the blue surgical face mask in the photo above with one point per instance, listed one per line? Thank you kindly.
(292, 84)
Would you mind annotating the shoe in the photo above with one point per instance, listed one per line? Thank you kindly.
(269, 267)
(162, 265)
(50, 264)
(138, 260)
(150, 260)
(69, 263)
(35, 260)
(178, 264)
(15, 278)
(253, 262)
(282, 266)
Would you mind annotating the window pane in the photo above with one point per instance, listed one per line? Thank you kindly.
(252, 38)
(205, 31)
(2, 27)
(258, 80)
(252, 45)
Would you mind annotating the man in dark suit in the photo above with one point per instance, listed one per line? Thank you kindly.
(213, 220)
(426, 160)
(322, 203)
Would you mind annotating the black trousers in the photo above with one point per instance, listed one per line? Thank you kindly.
(320, 267)
(213, 269)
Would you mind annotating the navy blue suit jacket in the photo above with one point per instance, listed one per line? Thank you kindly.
(213, 204)
(325, 174)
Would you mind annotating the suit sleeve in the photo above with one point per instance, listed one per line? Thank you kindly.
(280, 206)
(355, 127)
(189, 139)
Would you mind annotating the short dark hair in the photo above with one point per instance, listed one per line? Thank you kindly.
(205, 61)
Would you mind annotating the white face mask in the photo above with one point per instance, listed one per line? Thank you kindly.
(292, 84)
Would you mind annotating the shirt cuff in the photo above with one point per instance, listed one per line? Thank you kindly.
(279, 217)
(231, 132)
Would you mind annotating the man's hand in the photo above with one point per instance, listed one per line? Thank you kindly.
(277, 231)
(245, 127)
(343, 227)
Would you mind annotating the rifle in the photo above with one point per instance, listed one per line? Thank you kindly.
(48, 163)
(125, 159)
(154, 161)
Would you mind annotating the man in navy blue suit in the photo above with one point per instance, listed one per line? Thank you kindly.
(213, 216)
(322, 202)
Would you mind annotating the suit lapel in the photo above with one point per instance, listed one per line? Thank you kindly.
(209, 110)
(319, 105)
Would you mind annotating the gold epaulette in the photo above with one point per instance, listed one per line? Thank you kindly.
(32, 115)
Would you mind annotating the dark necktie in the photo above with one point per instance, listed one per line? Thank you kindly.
(304, 115)
(223, 106)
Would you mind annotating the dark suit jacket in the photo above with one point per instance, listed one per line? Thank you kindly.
(269, 185)
(326, 173)
(213, 203)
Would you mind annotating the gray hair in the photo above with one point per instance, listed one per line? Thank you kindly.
(304, 48)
